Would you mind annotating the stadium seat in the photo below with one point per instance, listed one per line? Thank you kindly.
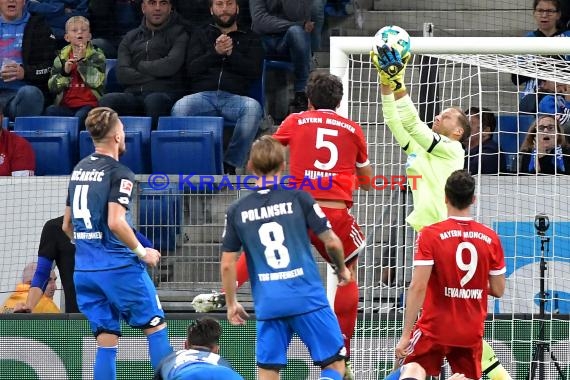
(511, 131)
(160, 216)
(85, 145)
(111, 82)
(66, 124)
(52, 149)
(137, 132)
(183, 152)
(137, 140)
(201, 124)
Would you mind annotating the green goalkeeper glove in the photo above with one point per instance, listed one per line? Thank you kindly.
(391, 67)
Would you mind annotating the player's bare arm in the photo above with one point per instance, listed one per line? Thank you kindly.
(236, 313)
(365, 172)
(334, 248)
(414, 301)
(497, 285)
(119, 226)
(67, 226)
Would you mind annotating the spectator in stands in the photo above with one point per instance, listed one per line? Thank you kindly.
(221, 77)
(545, 150)
(45, 304)
(57, 12)
(27, 47)
(78, 73)
(482, 150)
(150, 64)
(286, 26)
(54, 246)
(17, 156)
(318, 17)
(547, 14)
(529, 102)
(558, 104)
(197, 13)
(111, 20)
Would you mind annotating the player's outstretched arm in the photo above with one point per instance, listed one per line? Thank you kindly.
(236, 313)
(119, 226)
(421, 133)
(389, 110)
(335, 250)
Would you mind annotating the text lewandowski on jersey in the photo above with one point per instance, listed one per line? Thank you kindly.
(161, 181)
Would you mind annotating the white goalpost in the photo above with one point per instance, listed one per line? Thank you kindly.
(464, 72)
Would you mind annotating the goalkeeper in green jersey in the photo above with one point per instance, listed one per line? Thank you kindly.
(433, 154)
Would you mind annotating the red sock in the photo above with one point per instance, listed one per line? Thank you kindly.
(241, 271)
(346, 309)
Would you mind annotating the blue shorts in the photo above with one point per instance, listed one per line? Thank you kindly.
(106, 297)
(318, 329)
(203, 371)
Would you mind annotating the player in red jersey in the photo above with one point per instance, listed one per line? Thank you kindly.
(331, 152)
(329, 159)
(457, 264)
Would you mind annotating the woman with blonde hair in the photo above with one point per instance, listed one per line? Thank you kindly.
(545, 149)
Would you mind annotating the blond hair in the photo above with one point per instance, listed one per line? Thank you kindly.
(100, 122)
(77, 19)
(267, 155)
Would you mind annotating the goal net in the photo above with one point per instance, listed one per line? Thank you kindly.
(466, 73)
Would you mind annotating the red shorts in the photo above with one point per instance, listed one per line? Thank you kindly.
(344, 225)
(429, 354)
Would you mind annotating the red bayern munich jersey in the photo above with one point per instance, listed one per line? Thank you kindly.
(324, 144)
(464, 254)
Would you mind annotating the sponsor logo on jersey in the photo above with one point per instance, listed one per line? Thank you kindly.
(126, 187)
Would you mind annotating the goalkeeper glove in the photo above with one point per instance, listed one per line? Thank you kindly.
(390, 66)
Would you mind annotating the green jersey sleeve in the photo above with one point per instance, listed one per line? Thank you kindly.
(392, 120)
(432, 142)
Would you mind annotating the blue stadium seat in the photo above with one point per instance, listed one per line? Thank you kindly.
(137, 140)
(198, 123)
(85, 145)
(111, 82)
(511, 131)
(66, 124)
(160, 216)
(53, 151)
(137, 133)
(184, 152)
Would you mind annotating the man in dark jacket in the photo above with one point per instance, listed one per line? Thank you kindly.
(222, 63)
(27, 50)
(150, 64)
(286, 26)
(482, 150)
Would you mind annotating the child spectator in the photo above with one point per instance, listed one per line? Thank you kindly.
(78, 73)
